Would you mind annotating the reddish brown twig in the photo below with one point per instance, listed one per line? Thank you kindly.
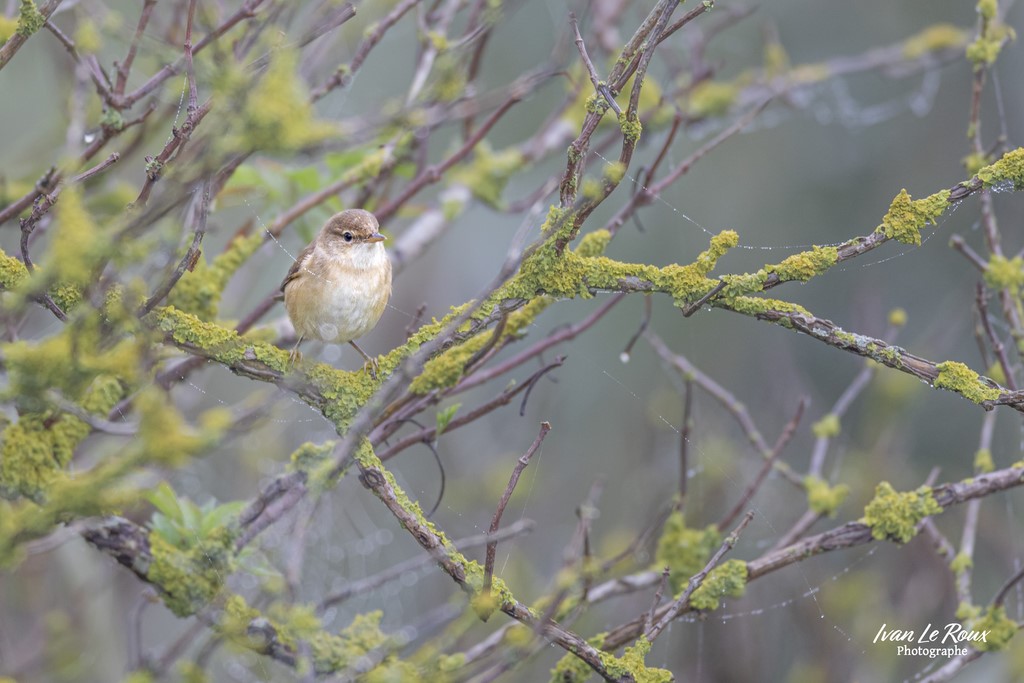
(766, 466)
(125, 67)
(188, 261)
(343, 76)
(599, 86)
(492, 547)
(734, 406)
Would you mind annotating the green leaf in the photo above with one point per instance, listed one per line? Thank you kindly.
(167, 530)
(164, 499)
(444, 417)
(191, 515)
(220, 516)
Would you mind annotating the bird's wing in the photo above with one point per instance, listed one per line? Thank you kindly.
(297, 266)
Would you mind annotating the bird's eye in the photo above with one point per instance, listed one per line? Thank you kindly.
(347, 235)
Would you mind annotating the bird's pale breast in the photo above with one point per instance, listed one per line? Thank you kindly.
(340, 297)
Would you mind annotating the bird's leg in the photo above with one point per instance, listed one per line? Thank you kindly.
(370, 365)
(294, 357)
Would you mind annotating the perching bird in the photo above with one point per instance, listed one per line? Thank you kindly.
(338, 287)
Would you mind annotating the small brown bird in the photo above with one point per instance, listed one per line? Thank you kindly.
(340, 284)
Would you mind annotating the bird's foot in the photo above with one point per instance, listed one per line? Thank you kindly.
(372, 367)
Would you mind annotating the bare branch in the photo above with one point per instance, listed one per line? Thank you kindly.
(524, 460)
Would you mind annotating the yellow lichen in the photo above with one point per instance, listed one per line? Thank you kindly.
(12, 272)
(76, 242)
(1009, 168)
(69, 361)
(198, 292)
(827, 427)
(684, 550)
(613, 172)
(630, 126)
(961, 563)
(759, 307)
(994, 630)
(986, 48)
(822, 498)
(894, 516)
(965, 611)
(571, 669)
(165, 436)
(631, 666)
(974, 162)
(805, 265)
(276, 115)
(189, 579)
(905, 217)
(39, 445)
(449, 78)
(958, 377)
(776, 60)
(728, 579)
(983, 461)
(30, 19)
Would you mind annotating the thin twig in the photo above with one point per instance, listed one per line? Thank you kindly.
(95, 170)
(645, 321)
(188, 261)
(433, 174)
(697, 579)
(555, 338)
(343, 75)
(365, 586)
(958, 244)
(1005, 590)
(662, 585)
(766, 466)
(997, 344)
(95, 421)
(190, 71)
(430, 433)
(246, 11)
(733, 405)
(599, 86)
(482, 352)
(650, 192)
(492, 547)
(18, 38)
(684, 444)
(125, 67)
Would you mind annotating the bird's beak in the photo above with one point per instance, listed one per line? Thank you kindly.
(376, 237)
